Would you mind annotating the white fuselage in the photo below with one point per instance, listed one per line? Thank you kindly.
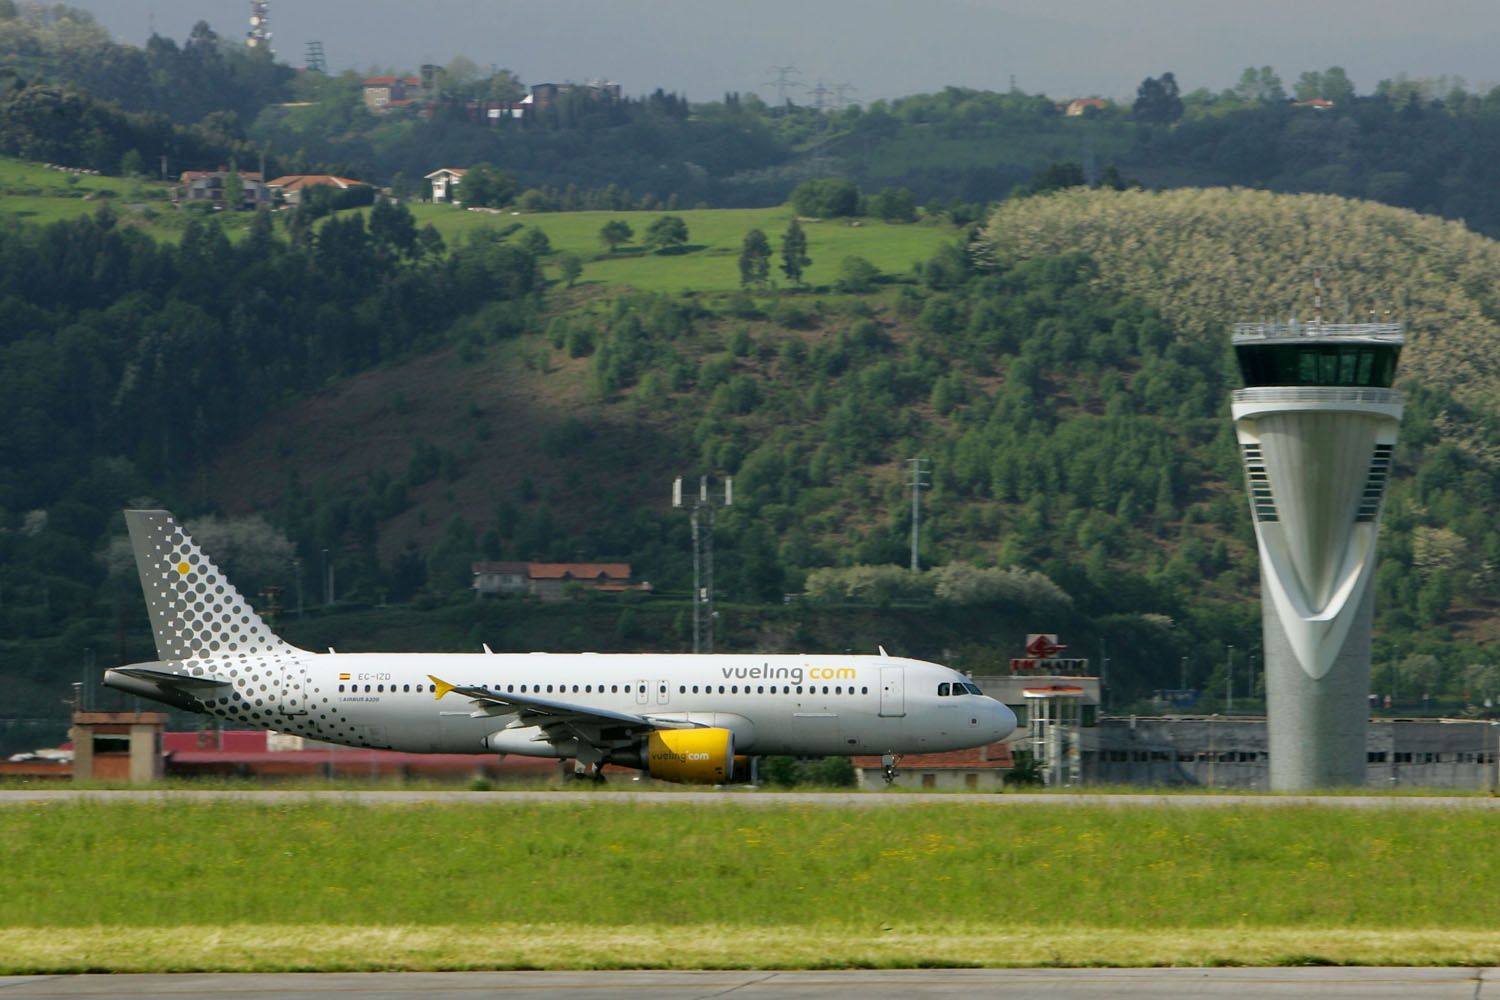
(783, 704)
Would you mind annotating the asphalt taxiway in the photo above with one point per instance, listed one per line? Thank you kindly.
(1055, 984)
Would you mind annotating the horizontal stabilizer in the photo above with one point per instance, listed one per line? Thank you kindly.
(168, 679)
(169, 687)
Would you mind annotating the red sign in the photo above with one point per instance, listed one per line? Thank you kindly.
(1043, 645)
(1026, 665)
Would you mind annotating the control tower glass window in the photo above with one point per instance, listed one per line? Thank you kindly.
(1271, 364)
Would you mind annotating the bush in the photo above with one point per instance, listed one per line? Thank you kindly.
(856, 275)
(829, 772)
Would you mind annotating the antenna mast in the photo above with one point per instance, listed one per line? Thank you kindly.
(259, 35)
(703, 556)
(917, 484)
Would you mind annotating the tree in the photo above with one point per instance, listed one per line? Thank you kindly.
(666, 233)
(1332, 84)
(392, 225)
(571, 266)
(755, 258)
(1157, 100)
(894, 205)
(1057, 177)
(1260, 85)
(234, 189)
(534, 240)
(615, 232)
(826, 199)
(486, 186)
(794, 259)
(856, 275)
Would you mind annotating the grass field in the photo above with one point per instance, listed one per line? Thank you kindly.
(319, 885)
(34, 193)
(711, 260)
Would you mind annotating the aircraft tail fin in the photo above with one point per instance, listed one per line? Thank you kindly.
(195, 612)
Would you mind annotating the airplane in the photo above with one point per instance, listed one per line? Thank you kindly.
(677, 717)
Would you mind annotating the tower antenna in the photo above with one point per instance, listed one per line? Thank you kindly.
(259, 35)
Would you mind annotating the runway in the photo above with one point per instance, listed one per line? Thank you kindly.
(751, 798)
(1056, 984)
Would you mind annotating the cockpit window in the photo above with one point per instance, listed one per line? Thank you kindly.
(943, 690)
(972, 688)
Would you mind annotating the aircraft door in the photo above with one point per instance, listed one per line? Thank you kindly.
(293, 700)
(663, 692)
(642, 693)
(892, 691)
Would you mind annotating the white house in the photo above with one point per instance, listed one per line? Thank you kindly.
(445, 183)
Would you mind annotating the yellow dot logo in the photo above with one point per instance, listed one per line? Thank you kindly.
(183, 568)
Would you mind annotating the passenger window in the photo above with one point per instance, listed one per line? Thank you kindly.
(682, 689)
(549, 688)
(838, 690)
(614, 689)
(734, 689)
(943, 690)
(341, 689)
(760, 689)
(864, 690)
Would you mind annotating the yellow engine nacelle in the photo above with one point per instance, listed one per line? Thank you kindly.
(691, 756)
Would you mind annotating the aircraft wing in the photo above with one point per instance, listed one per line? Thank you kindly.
(558, 719)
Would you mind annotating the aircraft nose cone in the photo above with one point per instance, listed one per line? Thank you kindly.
(1002, 720)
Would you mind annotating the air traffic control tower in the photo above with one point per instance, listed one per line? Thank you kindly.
(1316, 422)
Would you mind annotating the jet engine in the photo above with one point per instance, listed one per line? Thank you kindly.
(691, 756)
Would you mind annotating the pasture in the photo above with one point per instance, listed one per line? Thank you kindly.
(604, 883)
(38, 194)
(709, 262)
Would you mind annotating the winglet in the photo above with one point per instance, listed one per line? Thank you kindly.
(488, 651)
(443, 687)
(883, 653)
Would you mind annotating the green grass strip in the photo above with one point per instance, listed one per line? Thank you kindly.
(708, 886)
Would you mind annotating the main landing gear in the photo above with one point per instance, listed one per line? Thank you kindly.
(888, 764)
(579, 771)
